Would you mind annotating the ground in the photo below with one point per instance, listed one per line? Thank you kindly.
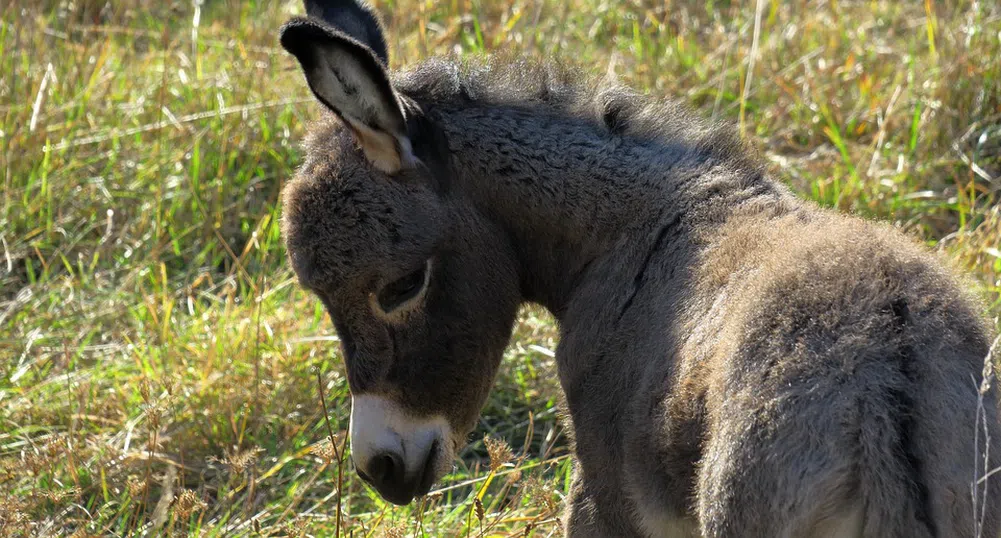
(161, 371)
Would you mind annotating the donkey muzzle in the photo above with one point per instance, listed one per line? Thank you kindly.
(399, 454)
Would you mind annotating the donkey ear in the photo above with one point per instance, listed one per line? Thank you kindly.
(348, 77)
(354, 18)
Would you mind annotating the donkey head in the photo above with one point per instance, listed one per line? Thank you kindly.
(421, 286)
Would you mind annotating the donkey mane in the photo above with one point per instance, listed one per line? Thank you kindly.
(562, 89)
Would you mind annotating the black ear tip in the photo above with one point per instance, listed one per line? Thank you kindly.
(355, 19)
(287, 34)
(297, 33)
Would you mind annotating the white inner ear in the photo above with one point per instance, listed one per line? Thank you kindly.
(385, 152)
(350, 88)
(343, 81)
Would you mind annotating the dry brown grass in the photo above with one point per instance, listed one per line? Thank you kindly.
(153, 345)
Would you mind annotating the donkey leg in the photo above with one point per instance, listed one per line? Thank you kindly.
(774, 472)
(594, 512)
(780, 467)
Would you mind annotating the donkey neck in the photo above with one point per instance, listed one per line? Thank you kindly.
(567, 191)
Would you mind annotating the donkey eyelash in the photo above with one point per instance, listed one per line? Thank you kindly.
(404, 291)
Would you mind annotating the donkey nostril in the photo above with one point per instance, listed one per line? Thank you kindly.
(385, 468)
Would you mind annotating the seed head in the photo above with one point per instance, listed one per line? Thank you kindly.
(479, 510)
(325, 450)
(135, 486)
(240, 461)
(187, 503)
(145, 388)
(295, 528)
(397, 531)
(499, 452)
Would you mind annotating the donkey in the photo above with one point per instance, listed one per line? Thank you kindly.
(735, 361)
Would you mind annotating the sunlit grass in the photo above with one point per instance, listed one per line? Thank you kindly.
(158, 365)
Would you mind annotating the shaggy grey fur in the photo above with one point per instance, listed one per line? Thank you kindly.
(735, 361)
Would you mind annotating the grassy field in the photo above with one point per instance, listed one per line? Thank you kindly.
(160, 371)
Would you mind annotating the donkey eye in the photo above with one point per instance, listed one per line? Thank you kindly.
(401, 290)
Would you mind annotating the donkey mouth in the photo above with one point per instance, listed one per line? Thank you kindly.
(427, 477)
(401, 493)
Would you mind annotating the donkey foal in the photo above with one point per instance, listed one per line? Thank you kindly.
(735, 361)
